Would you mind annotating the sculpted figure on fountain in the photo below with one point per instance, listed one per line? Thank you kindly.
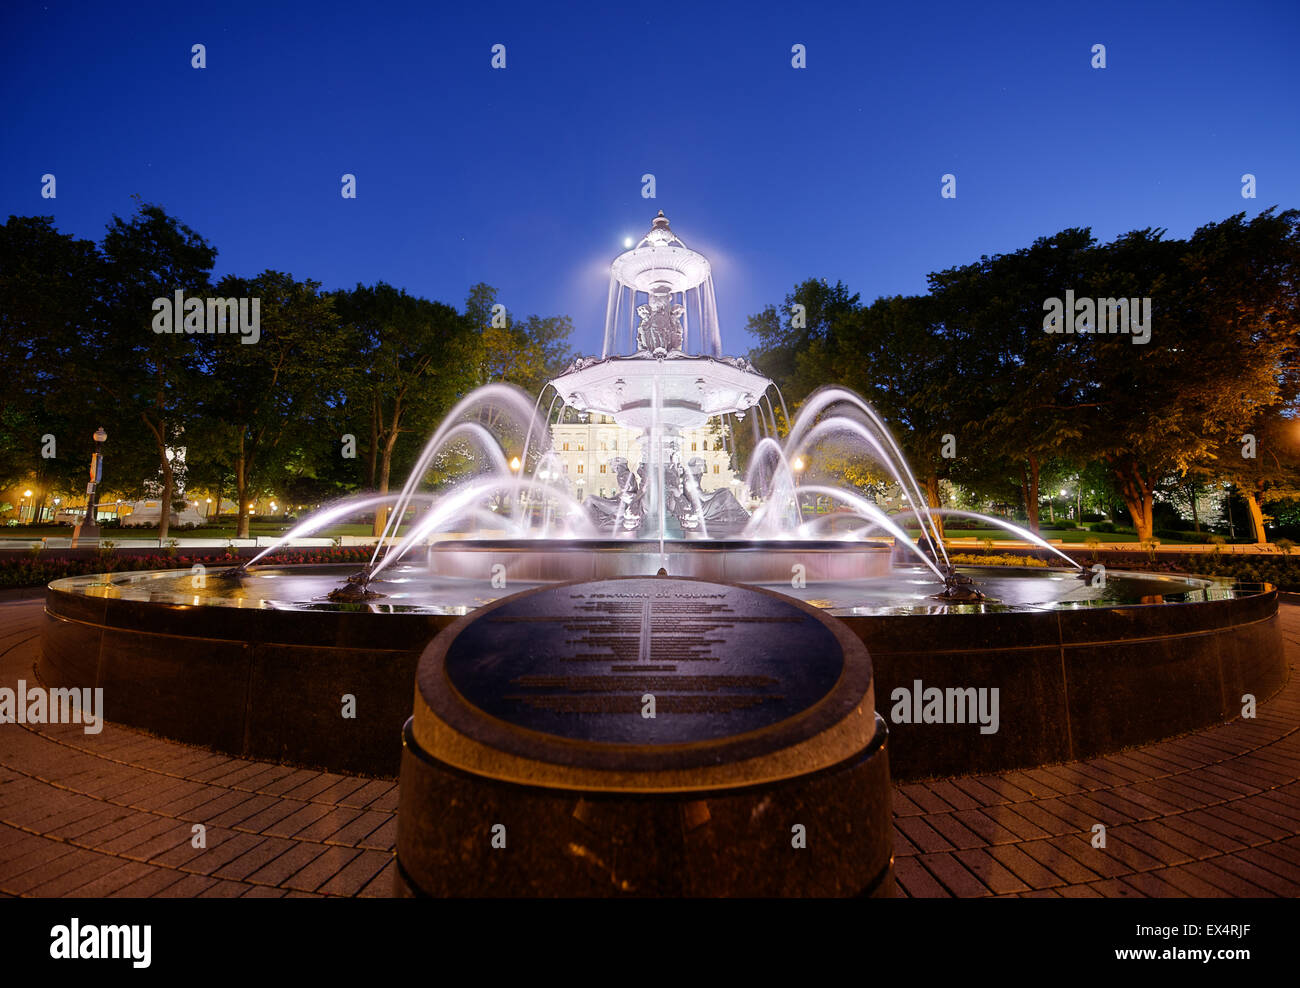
(661, 323)
(723, 514)
(621, 513)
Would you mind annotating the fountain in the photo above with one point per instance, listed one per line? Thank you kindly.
(1085, 666)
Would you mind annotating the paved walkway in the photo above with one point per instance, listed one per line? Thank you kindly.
(112, 814)
(1216, 813)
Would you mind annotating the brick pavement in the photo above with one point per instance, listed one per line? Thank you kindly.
(1215, 813)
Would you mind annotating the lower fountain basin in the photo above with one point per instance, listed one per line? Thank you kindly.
(266, 668)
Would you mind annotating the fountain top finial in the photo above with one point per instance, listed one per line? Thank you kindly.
(660, 232)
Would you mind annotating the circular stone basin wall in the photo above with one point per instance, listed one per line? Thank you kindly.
(243, 678)
(645, 736)
(1069, 683)
(266, 679)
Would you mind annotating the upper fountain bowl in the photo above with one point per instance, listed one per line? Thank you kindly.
(660, 262)
(677, 392)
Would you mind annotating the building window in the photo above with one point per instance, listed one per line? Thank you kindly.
(566, 447)
(694, 446)
(602, 468)
(579, 468)
(715, 468)
(582, 447)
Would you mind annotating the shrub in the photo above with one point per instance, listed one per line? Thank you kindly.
(1104, 526)
(1090, 516)
(1008, 559)
(1181, 535)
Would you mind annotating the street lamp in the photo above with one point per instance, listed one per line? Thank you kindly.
(22, 506)
(89, 528)
(207, 512)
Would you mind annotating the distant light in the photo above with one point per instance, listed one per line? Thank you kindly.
(628, 241)
(514, 463)
(27, 493)
(798, 464)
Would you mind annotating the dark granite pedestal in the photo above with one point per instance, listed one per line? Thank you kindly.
(645, 737)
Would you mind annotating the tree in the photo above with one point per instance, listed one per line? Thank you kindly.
(149, 376)
(901, 360)
(1224, 323)
(806, 319)
(261, 399)
(417, 357)
(49, 285)
(1023, 398)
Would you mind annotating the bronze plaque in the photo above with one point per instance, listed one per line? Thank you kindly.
(648, 661)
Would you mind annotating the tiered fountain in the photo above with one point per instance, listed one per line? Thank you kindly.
(1084, 666)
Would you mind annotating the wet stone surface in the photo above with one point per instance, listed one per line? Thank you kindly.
(587, 662)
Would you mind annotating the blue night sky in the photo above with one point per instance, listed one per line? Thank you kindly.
(529, 178)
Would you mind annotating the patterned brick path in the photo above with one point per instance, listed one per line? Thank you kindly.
(112, 814)
(1216, 813)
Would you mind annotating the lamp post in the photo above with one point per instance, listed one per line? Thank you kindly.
(22, 506)
(88, 528)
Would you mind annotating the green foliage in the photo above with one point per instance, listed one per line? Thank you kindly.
(1029, 409)
(995, 559)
